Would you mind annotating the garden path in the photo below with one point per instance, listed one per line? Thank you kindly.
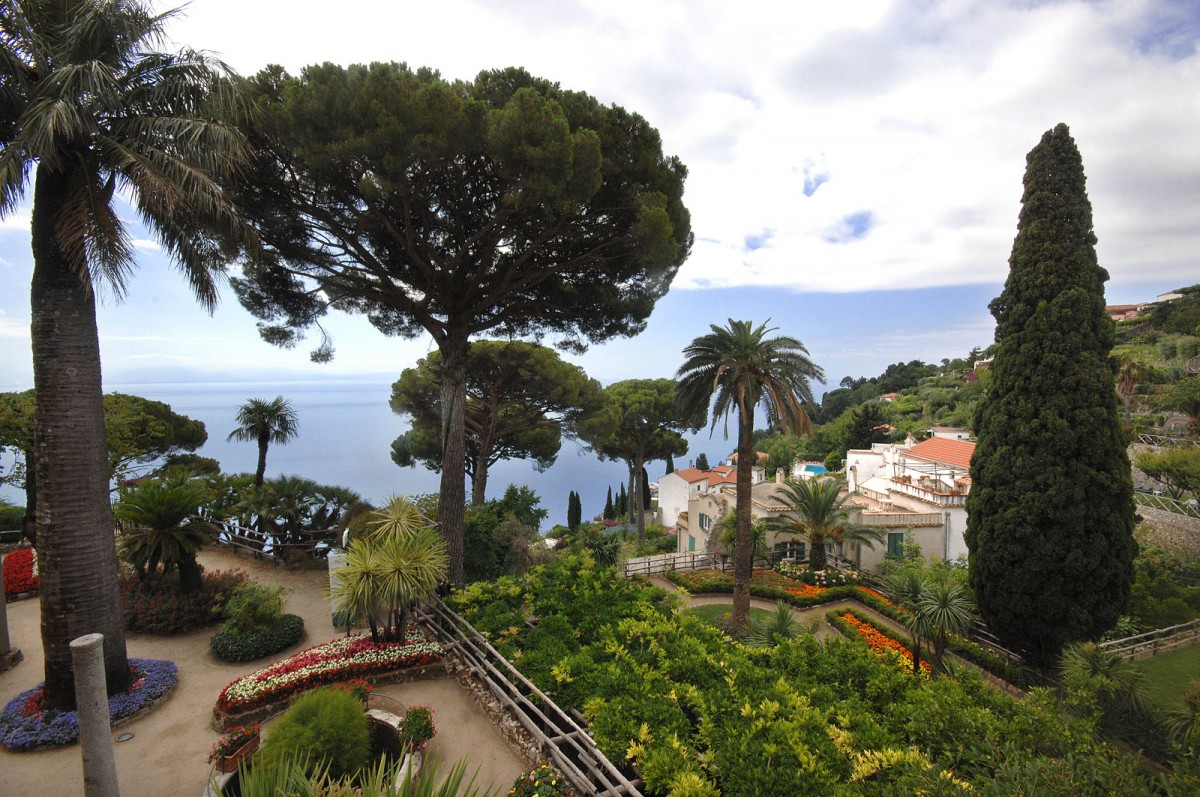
(168, 753)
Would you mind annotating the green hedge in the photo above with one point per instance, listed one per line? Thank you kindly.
(233, 647)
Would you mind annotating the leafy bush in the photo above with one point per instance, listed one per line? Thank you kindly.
(20, 572)
(326, 726)
(11, 516)
(161, 608)
(418, 728)
(543, 781)
(253, 607)
(266, 640)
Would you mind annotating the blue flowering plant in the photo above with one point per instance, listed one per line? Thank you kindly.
(24, 725)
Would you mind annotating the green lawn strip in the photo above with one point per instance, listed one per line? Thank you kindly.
(713, 613)
(1168, 673)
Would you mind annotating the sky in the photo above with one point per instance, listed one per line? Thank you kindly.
(854, 168)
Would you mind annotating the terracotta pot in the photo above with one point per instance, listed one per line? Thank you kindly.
(229, 763)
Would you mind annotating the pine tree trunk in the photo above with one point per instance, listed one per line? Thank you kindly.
(480, 476)
(743, 554)
(452, 496)
(76, 545)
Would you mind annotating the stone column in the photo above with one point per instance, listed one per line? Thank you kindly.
(9, 656)
(95, 729)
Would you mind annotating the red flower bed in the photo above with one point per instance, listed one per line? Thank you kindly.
(881, 644)
(805, 591)
(20, 572)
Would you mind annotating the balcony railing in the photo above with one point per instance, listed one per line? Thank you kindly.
(899, 519)
(931, 495)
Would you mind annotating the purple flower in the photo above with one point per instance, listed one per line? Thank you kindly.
(153, 678)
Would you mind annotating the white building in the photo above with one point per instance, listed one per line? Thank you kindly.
(676, 489)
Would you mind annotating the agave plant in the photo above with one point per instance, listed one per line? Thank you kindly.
(158, 524)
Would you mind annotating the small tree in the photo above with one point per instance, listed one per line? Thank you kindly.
(702, 461)
(1184, 396)
(158, 524)
(816, 510)
(264, 422)
(610, 512)
(401, 558)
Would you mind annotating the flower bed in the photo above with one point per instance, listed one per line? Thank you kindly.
(330, 663)
(880, 641)
(163, 609)
(541, 782)
(20, 573)
(25, 726)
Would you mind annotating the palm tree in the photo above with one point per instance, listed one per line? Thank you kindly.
(938, 607)
(394, 564)
(817, 510)
(758, 535)
(739, 368)
(265, 422)
(158, 523)
(88, 108)
(1118, 683)
(1131, 372)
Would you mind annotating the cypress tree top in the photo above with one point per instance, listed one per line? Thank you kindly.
(1050, 512)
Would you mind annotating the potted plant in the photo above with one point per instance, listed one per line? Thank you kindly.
(418, 728)
(231, 749)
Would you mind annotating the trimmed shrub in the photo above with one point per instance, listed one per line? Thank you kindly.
(161, 608)
(11, 516)
(325, 727)
(253, 607)
(230, 646)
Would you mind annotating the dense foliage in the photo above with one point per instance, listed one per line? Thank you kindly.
(328, 725)
(1050, 512)
(160, 607)
(501, 534)
(683, 703)
(264, 641)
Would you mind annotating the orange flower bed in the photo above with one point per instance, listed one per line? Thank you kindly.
(805, 591)
(876, 594)
(882, 645)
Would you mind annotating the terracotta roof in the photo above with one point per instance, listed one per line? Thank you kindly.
(942, 450)
(762, 455)
(691, 475)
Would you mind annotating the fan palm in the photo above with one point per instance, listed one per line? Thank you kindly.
(938, 607)
(1131, 372)
(158, 523)
(739, 368)
(758, 535)
(88, 108)
(265, 422)
(817, 510)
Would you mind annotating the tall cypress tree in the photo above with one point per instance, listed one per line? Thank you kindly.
(610, 512)
(622, 502)
(645, 489)
(574, 511)
(1050, 512)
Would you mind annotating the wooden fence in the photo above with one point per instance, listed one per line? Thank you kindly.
(567, 743)
(1152, 643)
(267, 546)
(659, 563)
(1188, 508)
(1159, 440)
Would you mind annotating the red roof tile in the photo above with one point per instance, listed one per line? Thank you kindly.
(943, 450)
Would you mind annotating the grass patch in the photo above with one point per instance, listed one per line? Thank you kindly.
(712, 613)
(1168, 673)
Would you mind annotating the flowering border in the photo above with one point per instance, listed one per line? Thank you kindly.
(882, 644)
(25, 726)
(21, 573)
(328, 663)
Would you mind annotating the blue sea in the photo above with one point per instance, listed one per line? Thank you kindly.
(346, 433)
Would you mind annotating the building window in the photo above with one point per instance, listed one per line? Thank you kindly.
(895, 543)
(705, 522)
(795, 550)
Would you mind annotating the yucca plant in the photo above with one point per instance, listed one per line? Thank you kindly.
(295, 776)
(402, 558)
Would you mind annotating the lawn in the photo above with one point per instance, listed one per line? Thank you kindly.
(1168, 673)
(711, 613)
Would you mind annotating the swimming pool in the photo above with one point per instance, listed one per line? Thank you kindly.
(813, 468)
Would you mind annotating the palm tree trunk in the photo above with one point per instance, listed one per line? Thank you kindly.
(452, 496)
(743, 553)
(29, 521)
(76, 545)
(259, 474)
